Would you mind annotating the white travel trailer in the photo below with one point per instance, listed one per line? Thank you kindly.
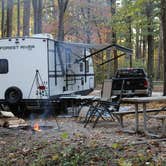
(39, 68)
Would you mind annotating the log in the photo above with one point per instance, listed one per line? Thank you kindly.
(12, 122)
(6, 114)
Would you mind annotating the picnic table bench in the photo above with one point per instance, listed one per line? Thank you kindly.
(144, 101)
(120, 114)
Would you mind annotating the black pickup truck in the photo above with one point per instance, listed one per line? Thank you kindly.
(135, 82)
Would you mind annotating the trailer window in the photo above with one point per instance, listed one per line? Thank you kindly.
(87, 66)
(81, 67)
(3, 66)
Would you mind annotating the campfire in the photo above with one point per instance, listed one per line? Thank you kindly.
(8, 120)
(36, 127)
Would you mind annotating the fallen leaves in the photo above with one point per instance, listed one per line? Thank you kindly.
(117, 146)
(75, 145)
(64, 135)
(55, 157)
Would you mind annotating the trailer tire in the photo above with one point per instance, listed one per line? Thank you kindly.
(13, 95)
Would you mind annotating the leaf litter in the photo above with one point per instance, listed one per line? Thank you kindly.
(75, 145)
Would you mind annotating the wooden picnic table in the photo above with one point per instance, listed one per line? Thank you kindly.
(77, 100)
(144, 101)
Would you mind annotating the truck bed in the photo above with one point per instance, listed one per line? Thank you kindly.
(134, 85)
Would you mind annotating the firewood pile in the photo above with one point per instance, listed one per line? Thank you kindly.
(7, 119)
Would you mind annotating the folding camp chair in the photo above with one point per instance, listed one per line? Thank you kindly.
(105, 105)
(105, 96)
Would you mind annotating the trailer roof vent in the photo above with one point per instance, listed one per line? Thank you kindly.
(43, 35)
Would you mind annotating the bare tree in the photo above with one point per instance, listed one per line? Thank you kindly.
(26, 17)
(144, 48)
(88, 31)
(37, 10)
(3, 19)
(163, 19)
(160, 53)
(9, 17)
(62, 6)
(150, 40)
(40, 7)
(35, 15)
(18, 17)
(87, 14)
(111, 38)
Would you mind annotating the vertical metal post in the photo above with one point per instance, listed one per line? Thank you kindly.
(145, 117)
(131, 61)
(136, 118)
(85, 63)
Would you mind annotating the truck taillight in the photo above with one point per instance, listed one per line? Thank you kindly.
(145, 83)
(41, 87)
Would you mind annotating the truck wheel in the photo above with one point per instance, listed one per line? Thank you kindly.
(13, 95)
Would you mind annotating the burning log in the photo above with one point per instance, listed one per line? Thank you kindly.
(36, 127)
(12, 122)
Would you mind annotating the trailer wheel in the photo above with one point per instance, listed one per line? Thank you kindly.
(13, 95)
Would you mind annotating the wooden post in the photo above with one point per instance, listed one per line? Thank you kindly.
(145, 116)
(136, 118)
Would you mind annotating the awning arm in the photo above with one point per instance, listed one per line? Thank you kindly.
(118, 47)
(112, 59)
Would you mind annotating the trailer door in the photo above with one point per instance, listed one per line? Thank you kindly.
(52, 67)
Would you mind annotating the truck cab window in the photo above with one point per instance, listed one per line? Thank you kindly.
(3, 66)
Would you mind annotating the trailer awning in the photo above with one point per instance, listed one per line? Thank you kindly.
(125, 50)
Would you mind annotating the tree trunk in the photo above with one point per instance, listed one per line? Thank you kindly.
(26, 17)
(35, 13)
(40, 7)
(62, 5)
(3, 20)
(150, 52)
(37, 9)
(113, 35)
(18, 17)
(9, 17)
(54, 10)
(144, 49)
(88, 31)
(137, 44)
(150, 41)
(98, 32)
(163, 18)
(129, 38)
(159, 54)
(111, 38)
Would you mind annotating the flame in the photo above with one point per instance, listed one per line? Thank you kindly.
(36, 127)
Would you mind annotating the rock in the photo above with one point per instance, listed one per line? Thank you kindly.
(6, 114)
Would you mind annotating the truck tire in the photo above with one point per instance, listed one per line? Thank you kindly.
(13, 95)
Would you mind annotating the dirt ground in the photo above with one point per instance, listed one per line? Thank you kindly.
(72, 144)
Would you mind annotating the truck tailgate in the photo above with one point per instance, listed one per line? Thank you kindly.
(130, 83)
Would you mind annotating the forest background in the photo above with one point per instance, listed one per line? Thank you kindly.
(136, 24)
